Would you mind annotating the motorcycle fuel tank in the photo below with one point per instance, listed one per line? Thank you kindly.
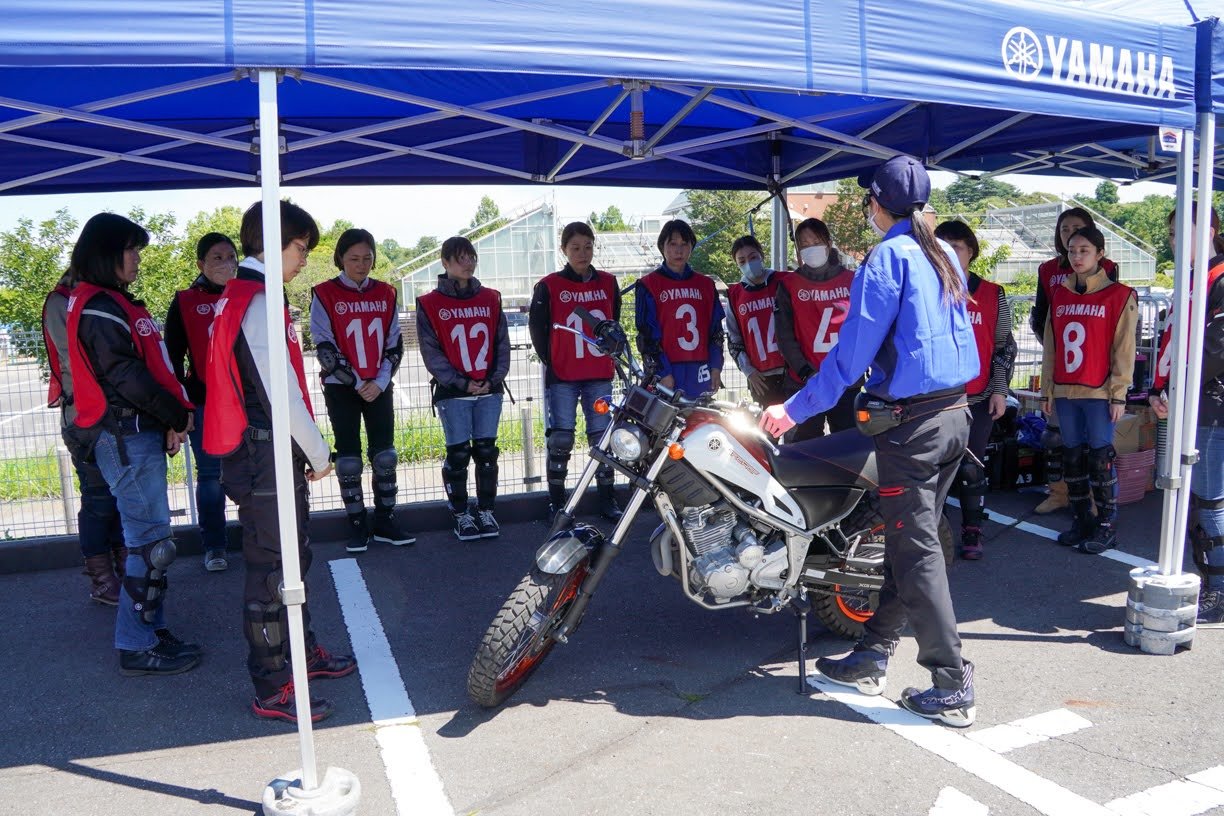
(711, 448)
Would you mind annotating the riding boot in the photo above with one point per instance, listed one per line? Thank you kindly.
(101, 572)
(1075, 475)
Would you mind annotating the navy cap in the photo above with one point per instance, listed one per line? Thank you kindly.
(899, 184)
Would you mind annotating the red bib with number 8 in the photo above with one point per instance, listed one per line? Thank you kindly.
(573, 359)
(685, 309)
(1083, 327)
(819, 309)
(466, 328)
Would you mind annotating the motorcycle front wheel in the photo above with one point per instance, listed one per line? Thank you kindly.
(518, 639)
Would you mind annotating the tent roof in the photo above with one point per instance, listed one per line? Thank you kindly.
(487, 90)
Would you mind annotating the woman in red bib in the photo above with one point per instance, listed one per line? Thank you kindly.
(812, 305)
(188, 326)
(573, 371)
(1086, 369)
(130, 412)
(991, 319)
(752, 334)
(465, 343)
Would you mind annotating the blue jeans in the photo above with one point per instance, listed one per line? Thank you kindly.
(1207, 482)
(561, 406)
(1084, 422)
(467, 418)
(139, 488)
(210, 499)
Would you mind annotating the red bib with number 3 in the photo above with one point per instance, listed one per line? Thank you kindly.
(360, 321)
(820, 309)
(1083, 327)
(754, 314)
(685, 309)
(466, 328)
(573, 359)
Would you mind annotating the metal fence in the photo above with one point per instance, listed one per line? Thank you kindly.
(38, 490)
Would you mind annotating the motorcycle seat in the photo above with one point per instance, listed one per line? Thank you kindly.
(844, 459)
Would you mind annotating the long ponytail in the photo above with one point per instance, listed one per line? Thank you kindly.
(950, 280)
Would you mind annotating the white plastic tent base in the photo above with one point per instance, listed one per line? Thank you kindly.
(337, 795)
(1160, 611)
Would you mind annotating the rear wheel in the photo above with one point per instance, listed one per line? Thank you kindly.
(517, 640)
(846, 611)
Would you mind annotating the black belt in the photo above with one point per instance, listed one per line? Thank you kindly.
(919, 399)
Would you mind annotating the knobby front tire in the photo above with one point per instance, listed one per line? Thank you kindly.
(517, 640)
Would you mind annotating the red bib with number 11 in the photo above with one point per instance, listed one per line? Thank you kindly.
(1083, 327)
(465, 328)
(360, 321)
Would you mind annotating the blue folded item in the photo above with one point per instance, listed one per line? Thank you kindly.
(1029, 429)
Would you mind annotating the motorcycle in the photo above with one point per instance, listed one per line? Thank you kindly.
(745, 524)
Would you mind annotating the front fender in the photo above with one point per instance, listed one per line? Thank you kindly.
(564, 549)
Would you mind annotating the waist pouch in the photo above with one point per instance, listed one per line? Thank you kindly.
(874, 415)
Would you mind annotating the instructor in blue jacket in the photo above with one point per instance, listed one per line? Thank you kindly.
(908, 323)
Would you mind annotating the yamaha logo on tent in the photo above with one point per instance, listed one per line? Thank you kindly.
(1028, 56)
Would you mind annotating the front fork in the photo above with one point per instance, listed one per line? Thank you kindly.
(611, 548)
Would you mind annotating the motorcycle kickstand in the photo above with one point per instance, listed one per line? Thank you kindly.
(802, 606)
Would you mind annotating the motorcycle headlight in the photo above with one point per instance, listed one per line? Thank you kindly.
(627, 444)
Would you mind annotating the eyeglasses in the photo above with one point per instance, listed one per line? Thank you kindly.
(302, 249)
(465, 258)
(867, 205)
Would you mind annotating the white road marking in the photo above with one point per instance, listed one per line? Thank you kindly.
(1197, 793)
(415, 784)
(1037, 792)
(952, 802)
(1052, 535)
(1029, 730)
(20, 414)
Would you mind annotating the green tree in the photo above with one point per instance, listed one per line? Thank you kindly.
(611, 220)
(846, 222)
(167, 264)
(487, 219)
(32, 258)
(1106, 193)
(719, 217)
(1148, 219)
(970, 194)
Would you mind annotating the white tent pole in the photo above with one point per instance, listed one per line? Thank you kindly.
(1172, 536)
(1198, 308)
(294, 591)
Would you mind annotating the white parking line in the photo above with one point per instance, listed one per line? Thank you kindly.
(1029, 730)
(1037, 792)
(20, 414)
(1046, 532)
(1197, 793)
(415, 784)
(952, 802)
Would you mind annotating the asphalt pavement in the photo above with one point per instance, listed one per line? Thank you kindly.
(655, 707)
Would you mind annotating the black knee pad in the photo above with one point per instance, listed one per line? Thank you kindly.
(266, 629)
(458, 457)
(1074, 461)
(972, 477)
(1051, 439)
(1100, 463)
(383, 464)
(485, 452)
(348, 473)
(560, 442)
(148, 591)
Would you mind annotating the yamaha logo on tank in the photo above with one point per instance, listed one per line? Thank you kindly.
(1028, 56)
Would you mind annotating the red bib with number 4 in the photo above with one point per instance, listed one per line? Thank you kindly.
(360, 321)
(1083, 327)
(1164, 359)
(465, 327)
(754, 314)
(820, 309)
(573, 359)
(685, 309)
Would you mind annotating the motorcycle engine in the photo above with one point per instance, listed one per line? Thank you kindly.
(725, 550)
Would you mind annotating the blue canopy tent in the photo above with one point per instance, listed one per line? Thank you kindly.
(704, 93)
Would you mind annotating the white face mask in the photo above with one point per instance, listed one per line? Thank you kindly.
(871, 222)
(814, 256)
